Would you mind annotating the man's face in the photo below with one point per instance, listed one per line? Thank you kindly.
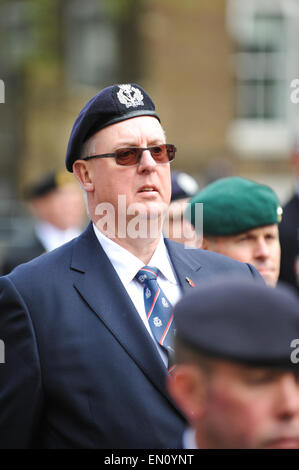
(259, 247)
(246, 407)
(148, 184)
(63, 207)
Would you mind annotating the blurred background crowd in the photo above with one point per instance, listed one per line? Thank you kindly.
(220, 72)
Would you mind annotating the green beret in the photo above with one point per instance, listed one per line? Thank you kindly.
(234, 205)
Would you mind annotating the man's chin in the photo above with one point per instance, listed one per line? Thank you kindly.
(149, 210)
(283, 444)
(269, 277)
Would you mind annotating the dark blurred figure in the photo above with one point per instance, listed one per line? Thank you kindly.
(289, 231)
(176, 227)
(216, 168)
(57, 205)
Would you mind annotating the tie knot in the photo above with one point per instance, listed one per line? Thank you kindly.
(147, 273)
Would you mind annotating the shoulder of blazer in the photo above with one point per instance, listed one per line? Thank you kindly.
(58, 259)
(201, 257)
(208, 262)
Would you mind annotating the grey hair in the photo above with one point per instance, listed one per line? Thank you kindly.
(88, 148)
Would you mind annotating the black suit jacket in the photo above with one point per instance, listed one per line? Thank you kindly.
(81, 370)
(289, 240)
(21, 252)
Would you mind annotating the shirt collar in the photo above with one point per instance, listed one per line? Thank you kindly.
(127, 265)
(189, 441)
(161, 260)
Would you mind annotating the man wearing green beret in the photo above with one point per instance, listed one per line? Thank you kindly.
(240, 220)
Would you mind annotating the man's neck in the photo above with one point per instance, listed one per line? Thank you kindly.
(141, 243)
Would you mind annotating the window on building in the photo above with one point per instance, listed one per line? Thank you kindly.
(265, 46)
(260, 70)
(102, 44)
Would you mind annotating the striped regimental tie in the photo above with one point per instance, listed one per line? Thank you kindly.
(159, 311)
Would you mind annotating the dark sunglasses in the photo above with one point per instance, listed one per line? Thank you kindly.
(130, 156)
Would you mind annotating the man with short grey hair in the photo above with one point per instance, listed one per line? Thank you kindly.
(88, 327)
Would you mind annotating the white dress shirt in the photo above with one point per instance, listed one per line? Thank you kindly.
(127, 266)
(189, 441)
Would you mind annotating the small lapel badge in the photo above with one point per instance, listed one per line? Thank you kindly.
(190, 282)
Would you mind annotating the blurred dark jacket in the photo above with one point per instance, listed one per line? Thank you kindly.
(289, 239)
(30, 248)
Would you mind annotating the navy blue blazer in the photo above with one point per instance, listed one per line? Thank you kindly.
(81, 371)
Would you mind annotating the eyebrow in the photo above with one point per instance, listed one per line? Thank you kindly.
(152, 143)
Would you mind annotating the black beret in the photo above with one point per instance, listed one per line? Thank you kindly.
(46, 183)
(182, 185)
(248, 323)
(111, 105)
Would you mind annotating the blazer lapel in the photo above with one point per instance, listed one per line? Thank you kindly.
(98, 283)
(187, 268)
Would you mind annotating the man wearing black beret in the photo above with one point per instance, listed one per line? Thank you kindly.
(88, 327)
(237, 374)
(176, 227)
(57, 206)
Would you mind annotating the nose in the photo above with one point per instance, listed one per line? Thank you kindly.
(146, 162)
(288, 396)
(261, 249)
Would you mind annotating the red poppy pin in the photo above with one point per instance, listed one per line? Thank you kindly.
(190, 282)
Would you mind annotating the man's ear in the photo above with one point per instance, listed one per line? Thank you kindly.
(205, 244)
(211, 243)
(186, 385)
(83, 172)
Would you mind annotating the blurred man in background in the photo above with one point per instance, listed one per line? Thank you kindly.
(240, 220)
(289, 230)
(237, 376)
(57, 205)
(176, 227)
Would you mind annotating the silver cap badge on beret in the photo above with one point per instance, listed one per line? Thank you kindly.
(130, 96)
